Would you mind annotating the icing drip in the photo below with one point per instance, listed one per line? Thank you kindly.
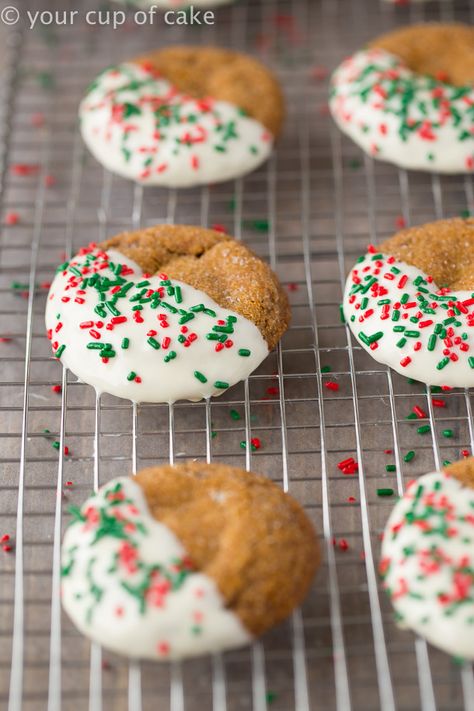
(145, 338)
(403, 319)
(138, 125)
(428, 562)
(394, 114)
(128, 584)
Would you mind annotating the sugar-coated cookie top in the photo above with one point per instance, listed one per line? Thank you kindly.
(428, 562)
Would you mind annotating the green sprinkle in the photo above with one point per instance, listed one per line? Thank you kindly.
(244, 352)
(125, 343)
(442, 363)
(221, 385)
(94, 346)
(235, 415)
(260, 225)
(131, 376)
(424, 429)
(60, 351)
(391, 468)
(385, 492)
(243, 445)
(448, 433)
(153, 343)
(222, 329)
(409, 456)
(202, 378)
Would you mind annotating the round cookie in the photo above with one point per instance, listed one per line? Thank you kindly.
(165, 313)
(410, 302)
(428, 558)
(408, 98)
(185, 560)
(183, 116)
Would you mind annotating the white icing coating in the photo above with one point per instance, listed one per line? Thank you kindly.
(221, 346)
(128, 584)
(405, 118)
(428, 562)
(138, 125)
(443, 321)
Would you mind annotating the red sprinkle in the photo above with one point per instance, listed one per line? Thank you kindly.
(12, 218)
(332, 386)
(219, 228)
(56, 388)
(348, 466)
(419, 412)
(24, 169)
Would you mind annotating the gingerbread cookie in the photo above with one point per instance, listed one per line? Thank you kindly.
(408, 98)
(183, 116)
(186, 560)
(410, 303)
(428, 558)
(165, 313)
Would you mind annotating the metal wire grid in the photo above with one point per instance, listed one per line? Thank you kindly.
(341, 651)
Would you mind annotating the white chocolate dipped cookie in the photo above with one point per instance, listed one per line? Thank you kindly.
(408, 98)
(166, 313)
(183, 561)
(409, 302)
(428, 558)
(183, 116)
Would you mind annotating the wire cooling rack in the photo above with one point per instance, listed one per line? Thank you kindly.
(310, 212)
